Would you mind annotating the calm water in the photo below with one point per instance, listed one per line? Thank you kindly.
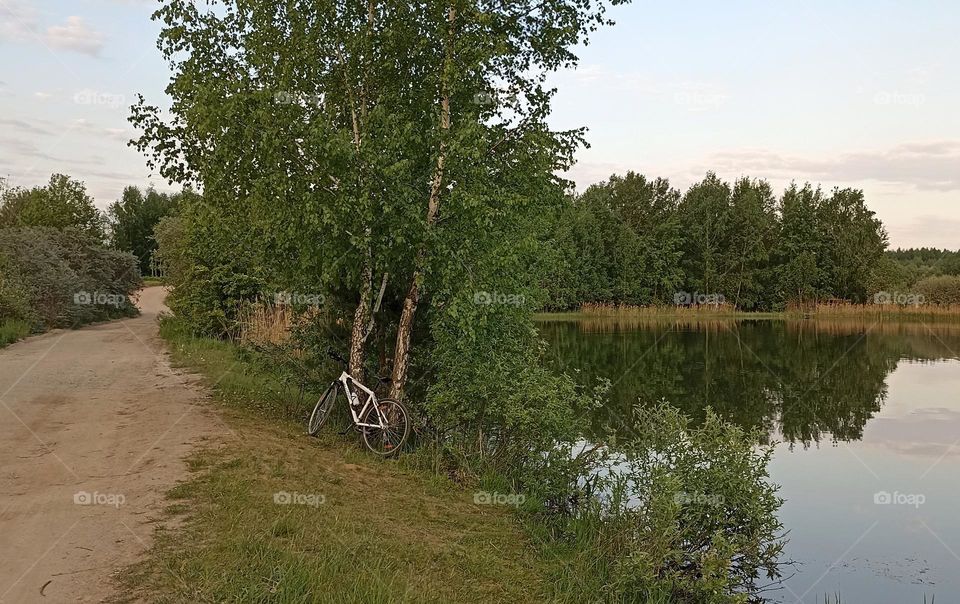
(858, 410)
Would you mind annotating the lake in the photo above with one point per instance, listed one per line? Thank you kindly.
(866, 418)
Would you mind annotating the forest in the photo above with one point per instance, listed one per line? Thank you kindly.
(634, 240)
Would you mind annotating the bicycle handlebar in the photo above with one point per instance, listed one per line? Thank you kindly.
(333, 354)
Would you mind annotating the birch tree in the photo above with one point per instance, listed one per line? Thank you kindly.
(366, 139)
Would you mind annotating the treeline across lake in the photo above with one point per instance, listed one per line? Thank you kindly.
(632, 240)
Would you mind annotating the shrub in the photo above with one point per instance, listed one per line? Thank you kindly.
(504, 406)
(706, 526)
(209, 266)
(14, 295)
(63, 278)
(941, 290)
(672, 509)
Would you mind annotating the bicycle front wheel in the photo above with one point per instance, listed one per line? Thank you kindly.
(322, 409)
(389, 439)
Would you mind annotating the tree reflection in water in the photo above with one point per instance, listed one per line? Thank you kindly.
(799, 381)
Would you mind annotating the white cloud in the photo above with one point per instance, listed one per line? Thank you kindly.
(586, 173)
(691, 95)
(75, 36)
(85, 126)
(930, 166)
(18, 21)
(32, 127)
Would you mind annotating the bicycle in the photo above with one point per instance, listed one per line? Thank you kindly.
(383, 422)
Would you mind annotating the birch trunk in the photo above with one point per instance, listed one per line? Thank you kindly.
(401, 355)
(361, 318)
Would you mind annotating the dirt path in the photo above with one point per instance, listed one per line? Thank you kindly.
(94, 425)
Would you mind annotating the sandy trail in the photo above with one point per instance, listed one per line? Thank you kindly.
(94, 426)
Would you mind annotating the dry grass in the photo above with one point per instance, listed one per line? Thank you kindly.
(262, 323)
(617, 310)
(884, 312)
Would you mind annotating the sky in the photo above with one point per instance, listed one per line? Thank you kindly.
(853, 94)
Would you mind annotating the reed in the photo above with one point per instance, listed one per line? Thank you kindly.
(883, 312)
(626, 310)
(262, 323)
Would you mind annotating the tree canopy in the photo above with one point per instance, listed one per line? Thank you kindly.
(133, 218)
(62, 203)
(632, 240)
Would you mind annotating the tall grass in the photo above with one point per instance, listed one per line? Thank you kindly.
(262, 323)
(12, 330)
(619, 310)
(698, 315)
(882, 312)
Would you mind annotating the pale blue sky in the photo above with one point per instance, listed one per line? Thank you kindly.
(865, 94)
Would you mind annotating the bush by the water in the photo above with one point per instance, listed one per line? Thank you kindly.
(942, 290)
(53, 277)
(672, 511)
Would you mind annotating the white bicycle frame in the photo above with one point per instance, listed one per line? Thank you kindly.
(349, 389)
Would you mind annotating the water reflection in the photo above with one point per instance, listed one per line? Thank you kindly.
(798, 381)
(883, 396)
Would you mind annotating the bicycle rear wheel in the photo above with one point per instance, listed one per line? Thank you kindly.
(322, 409)
(388, 440)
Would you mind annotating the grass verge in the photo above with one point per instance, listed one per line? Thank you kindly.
(12, 330)
(369, 530)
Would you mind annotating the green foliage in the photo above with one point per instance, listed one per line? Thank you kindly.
(503, 406)
(133, 218)
(619, 241)
(343, 146)
(669, 509)
(918, 263)
(12, 330)
(317, 159)
(212, 278)
(634, 241)
(14, 295)
(62, 203)
(707, 526)
(63, 278)
(940, 290)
